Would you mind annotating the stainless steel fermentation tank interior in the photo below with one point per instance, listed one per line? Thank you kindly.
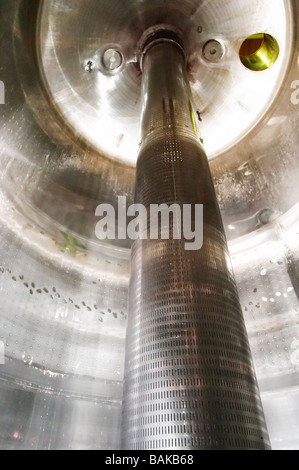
(109, 344)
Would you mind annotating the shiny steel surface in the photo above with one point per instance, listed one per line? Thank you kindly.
(266, 267)
(53, 177)
(105, 110)
(189, 379)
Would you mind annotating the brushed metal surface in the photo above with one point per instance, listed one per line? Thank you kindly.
(264, 268)
(69, 174)
(189, 378)
(105, 109)
(51, 181)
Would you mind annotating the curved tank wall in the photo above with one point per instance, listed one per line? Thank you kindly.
(63, 314)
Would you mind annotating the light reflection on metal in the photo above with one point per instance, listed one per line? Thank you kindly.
(189, 380)
(50, 177)
(259, 52)
(99, 110)
(112, 59)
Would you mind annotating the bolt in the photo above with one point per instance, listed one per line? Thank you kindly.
(213, 50)
(89, 66)
(112, 59)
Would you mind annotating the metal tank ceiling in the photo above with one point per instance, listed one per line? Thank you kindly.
(70, 94)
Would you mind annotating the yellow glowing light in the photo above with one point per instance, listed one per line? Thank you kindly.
(193, 118)
(259, 52)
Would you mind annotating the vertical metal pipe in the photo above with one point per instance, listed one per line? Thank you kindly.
(189, 380)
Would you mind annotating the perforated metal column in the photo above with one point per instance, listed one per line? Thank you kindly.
(190, 381)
